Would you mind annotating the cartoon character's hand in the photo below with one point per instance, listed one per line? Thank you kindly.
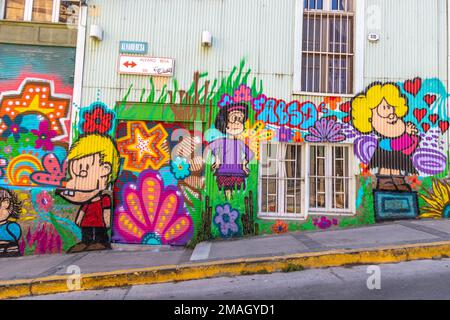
(244, 167)
(411, 129)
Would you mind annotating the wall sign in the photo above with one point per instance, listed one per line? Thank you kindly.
(133, 47)
(163, 67)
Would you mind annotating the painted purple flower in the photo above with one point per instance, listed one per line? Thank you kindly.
(13, 127)
(324, 223)
(225, 220)
(285, 134)
(3, 165)
(45, 136)
(325, 130)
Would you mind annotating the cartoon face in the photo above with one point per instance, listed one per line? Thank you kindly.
(4, 209)
(235, 125)
(88, 177)
(386, 122)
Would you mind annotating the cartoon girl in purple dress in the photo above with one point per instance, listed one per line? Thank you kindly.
(231, 154)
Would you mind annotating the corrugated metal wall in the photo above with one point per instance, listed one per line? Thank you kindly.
(261, 31)
(413, 40)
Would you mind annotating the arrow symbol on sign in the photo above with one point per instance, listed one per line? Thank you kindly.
(129, 64)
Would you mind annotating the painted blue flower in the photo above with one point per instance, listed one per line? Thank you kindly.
(259, 102)
(180, 168)
(225, 101)
(225, 219)
(13, 127)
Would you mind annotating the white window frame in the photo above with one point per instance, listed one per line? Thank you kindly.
(329, 210)
(359, 46)
(280, 192)
(305, 210)
(28, 10)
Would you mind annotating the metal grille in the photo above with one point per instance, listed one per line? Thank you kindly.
(328, 46)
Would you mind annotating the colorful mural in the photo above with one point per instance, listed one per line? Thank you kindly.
(185, 166)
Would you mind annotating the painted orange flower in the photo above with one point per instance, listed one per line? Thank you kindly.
(298, 137)
(365, 170)
(332, 102)
(414, 182)
(280, 227)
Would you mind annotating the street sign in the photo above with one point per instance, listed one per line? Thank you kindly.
(133, 47)
(146, 66)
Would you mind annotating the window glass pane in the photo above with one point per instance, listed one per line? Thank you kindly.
(14, 9)
(313, 4)
(42, 10)
(290, 205)
(68, 11)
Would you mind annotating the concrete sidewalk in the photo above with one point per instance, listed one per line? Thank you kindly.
(129, 265)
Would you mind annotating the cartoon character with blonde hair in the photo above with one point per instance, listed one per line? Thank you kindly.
(380, 110)
(93, 165)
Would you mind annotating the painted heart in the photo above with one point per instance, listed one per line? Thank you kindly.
(444, 125)
(345, 107)
(433, 118)
(413, 86)
(425, 127)
(429, 99)
(334, 118)
(419, 114)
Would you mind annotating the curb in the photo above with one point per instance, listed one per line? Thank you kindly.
(235, 267)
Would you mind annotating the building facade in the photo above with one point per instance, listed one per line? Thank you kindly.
(191, 120)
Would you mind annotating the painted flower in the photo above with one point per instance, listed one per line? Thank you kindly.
(242, 94)
(151, 213)
(13, 127)
(332, 102)
(44, 136)
(365, 170)
(414, 182)
(225, 220)
(325, 130)
(225, 101)
(259, 102)
(180, 168)
(285, 134)
(44, 201)
(324, 223)
(98, 120)
(54, 173)
(7, 149)
(298, 137)
(280, 227)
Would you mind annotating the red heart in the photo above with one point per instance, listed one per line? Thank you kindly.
(425, 127)
(429, 99)
(433, 118)
(413, 87)
(443, 125)
(345, 107)
(332, 118)
(347, 119)
(420, 114)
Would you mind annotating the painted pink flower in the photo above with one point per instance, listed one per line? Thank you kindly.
(242, 94)
(45, 136)
(44, 201)
(152, 214)
(54, 173)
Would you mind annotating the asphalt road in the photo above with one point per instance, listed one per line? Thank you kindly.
(428, 279)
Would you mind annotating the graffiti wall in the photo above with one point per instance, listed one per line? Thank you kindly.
(220, 160)
(35, 104)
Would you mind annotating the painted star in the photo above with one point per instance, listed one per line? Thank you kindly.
(142, 147)
(37, 97)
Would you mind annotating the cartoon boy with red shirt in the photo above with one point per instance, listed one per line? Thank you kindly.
(93, 165)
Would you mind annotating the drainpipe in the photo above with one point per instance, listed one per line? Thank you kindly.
(79, 61)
